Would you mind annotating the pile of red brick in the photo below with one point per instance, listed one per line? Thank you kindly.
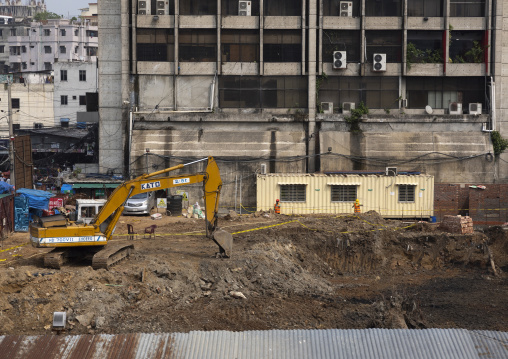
(457, 224)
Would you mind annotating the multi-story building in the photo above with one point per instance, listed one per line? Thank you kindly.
(275, 82)
(90, 13)
(8, 27)
(73, 80)
(43, 44)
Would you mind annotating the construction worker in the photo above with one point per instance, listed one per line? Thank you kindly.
(357, 206)
(276, 208)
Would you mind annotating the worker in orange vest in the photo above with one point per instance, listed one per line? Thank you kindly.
(276, 207)
(357, 206)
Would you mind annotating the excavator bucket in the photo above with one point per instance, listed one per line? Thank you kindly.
(225, 242)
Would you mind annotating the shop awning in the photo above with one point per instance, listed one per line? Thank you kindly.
(95, 185)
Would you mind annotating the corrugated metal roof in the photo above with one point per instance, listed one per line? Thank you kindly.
(276, 344)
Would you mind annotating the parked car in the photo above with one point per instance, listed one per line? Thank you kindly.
(141, 203)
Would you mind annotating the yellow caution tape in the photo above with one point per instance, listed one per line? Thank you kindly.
(3, 260)
(10, 249)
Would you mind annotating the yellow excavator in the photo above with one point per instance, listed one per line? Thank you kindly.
(72, 239)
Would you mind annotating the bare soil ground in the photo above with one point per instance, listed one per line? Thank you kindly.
(314, 272)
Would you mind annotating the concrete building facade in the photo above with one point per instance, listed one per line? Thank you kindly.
(272, 84)
(73, 80)
(41, 45)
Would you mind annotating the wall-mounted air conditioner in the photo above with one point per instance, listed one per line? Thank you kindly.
(391, 171)
(347, 107)
(162, 7)
(455, 108)
(475, 108)
(244, 8)
(144, 7)
(339, 59)
(327, 107)
(346, 8)
(379, 62)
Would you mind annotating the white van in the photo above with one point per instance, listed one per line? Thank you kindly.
(87, 209)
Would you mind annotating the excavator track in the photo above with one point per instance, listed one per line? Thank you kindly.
(111, 254)
(56, 258)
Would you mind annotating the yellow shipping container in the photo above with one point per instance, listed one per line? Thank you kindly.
(400, 196)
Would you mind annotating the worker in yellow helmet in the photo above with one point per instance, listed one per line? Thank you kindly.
(357, 206)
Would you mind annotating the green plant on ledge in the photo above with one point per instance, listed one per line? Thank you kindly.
(498, 142)
(417, 56)
(354, 119)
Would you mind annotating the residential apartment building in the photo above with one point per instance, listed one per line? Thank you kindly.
(43, 44)
(73, 80)
(274, 82)
(8, 27)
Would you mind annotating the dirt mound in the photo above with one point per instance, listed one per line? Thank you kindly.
(351, 271)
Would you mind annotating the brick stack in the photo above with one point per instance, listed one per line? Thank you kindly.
(457, 224)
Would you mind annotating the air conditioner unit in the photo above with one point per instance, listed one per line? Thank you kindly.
(339, 60)
(327, 107)
(244, 8)
(379, 62)
(346, 8)
(475, 108)
(162, 7)
(347, 107)
(455, 108)
(144, 7)
(391, 171)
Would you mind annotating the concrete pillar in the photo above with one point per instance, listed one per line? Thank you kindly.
(311, 136)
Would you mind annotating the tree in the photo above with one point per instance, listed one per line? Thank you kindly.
(45, 15)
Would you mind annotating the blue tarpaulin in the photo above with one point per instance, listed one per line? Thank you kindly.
(5, 187)
(36, 198)
(66, 188)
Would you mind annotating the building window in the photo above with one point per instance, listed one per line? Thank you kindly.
(23, 49)
(283, 8)
(343, 193)
(47, 49)
(198, 45)
(47, 32)
(82, 75)
(63, 100)
(383, 7)
(424, 47)
(15, 103)
(467, 8)
(24, 66)
(2, 49)
(82, 100)
(240, 46)
(76, 49)
(230, 7)
(384, 42)
(374, 92)
(467, 47)
(439, 92)
(91, 33)
(293, 192)
(156, 45)
(425, 8)
(1, 32)
(76, 32)
(48, 66)
(265, 92)
(406, 193)
(282, 46)
(91, 51)
(13, 32)
(198, 7)
(341, 40)
(63, 75)
(63, 50)
(62, 32)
